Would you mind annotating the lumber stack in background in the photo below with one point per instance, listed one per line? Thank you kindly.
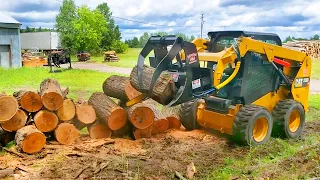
(311, 47)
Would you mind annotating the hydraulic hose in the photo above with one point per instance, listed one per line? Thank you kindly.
(234, 73)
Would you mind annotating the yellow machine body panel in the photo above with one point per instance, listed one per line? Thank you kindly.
(224, 122)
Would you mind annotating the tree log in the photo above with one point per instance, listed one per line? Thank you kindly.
(124, 131)
(164, 88)
(99, 130)
(51, 94)
(172, 114)
(130, 91)
(16, 122)
(161, 124)
(114, 86)
(85, 115)
(67, 111)
(30, 140)
(66, 133)
(140, 115)
(46, 121)
(28, 100)
(8, 107)
(108, 111)
(142, 133)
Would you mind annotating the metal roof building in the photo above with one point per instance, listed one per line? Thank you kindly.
(10, 48)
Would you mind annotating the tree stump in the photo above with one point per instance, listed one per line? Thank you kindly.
(46, 121)
(140, 115)
(8, 107)
(30, 140)
(67, 111)
(164, 88)
(108, 111)
(28, 100)
(16, 122)
(66, 133)
(51, 94)
(99, 130)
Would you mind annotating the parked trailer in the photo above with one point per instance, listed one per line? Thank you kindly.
(44, 41)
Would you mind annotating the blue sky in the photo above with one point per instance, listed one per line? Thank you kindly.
(299, 18)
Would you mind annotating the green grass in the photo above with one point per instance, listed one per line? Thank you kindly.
(315, 72)
(82, 83)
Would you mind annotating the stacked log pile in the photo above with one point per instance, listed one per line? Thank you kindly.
(110, 56)
(312, 47)
(28, 60)
(30, 117)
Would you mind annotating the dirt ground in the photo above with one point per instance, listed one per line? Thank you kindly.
(156, 158)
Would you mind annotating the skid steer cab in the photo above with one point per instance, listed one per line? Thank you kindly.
(248, 86)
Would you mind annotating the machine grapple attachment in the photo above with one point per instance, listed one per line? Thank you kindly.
(190, 79)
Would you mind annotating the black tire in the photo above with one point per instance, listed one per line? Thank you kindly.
(243, 126)
(281, 115)
(188, 114)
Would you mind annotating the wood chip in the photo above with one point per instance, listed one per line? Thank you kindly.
(23, 168)
(190, 171)
(81, 171)
(14, 152)
(6, 172)
(179, 175)
(101, 167)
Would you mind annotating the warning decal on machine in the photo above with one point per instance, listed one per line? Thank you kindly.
(196, 84)
(301, 82)
(192, 58)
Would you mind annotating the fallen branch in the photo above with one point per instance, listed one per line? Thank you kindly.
(101, 167)
(81, 171)
(178, 175)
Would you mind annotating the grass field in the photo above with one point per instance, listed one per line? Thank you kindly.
(82, 83)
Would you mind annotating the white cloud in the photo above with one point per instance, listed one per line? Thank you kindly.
(189, 22)
(172, 23)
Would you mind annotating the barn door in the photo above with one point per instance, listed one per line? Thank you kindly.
(4, 55)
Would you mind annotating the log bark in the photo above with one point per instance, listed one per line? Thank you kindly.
(108, 111)
(164, 88)
(51, 94)
(67, 111)
(114, 86)
(66, 133)
(140, 115)
(99, 130)
(46, 121)
(28, 100)
(142, 133)
(30, 140)
(8, 107)
(16, 122)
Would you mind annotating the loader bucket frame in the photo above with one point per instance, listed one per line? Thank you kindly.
(163, 61)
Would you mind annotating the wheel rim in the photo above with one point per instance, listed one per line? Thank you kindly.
(294, 121)
(260, 129)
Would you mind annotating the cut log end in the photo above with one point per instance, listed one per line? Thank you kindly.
(31, 101)
(142, 133)
(174, 122)
(52, 100)
(117, 119)
(30, 140)
(160, 126)
(16, 122)
(46, 121)
(85, 113)
(8, 107)
(99, 130)
(142, 117)
(66, 133)
(67, 111)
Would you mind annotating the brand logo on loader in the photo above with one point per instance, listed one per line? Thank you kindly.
(192, 58)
